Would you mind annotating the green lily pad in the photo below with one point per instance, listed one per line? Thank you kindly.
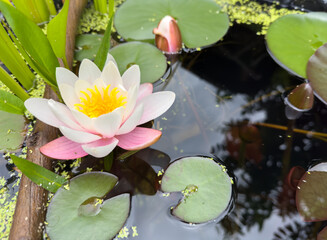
(12, 131)
(151, 61)
(87, 46)
(311, 196)
(292, 39)
(317, 72)
(201, 23)
(77, 211)
(206, 187)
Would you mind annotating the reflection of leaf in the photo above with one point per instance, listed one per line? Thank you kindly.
(206, 186)
(11, 131)
(311, 196)
(88, 46)
(10, 103)
(201, 24)
(154, 157)
(39, 175)
(151, 61)
(71, 212)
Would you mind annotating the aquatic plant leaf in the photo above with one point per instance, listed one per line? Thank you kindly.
(294, 176)
(317, 72)
(68, 216)
(322, 234)
(87, 46)
(56, 33)
(10, 103)
(311, 196)
(292, 39)
(12, 132)
(201, 24)
(39, 175)
(301, 98)
(151, 61)
(37, 11)
(102, 53)
(207, 188)
(32, 38)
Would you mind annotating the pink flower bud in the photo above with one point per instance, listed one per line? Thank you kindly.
(168, 37)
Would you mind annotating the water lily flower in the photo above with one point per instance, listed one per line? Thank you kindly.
(168, 37)
(102, 111)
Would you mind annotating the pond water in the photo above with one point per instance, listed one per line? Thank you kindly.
(218, 89)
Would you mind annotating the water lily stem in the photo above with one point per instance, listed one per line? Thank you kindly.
(108, 161)
(288, 150)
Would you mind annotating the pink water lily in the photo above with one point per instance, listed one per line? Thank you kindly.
(103, 110)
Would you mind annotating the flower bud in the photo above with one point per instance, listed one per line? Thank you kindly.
(168, 37)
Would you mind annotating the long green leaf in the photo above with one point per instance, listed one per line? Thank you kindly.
(35, 10)
(39, 175)
(10, 103)
(101, 56)
(111, 8)
(51, 7)
(13, 60)
(101, 6)
(32, 38)
(57, 33)
(13, 85)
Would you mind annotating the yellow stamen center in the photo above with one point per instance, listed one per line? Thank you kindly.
(96, 104)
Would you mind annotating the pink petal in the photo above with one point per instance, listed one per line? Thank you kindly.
(156, 104)
(63, 148)
(89, 71)
(131, 76)
(78, 136)
(144, 90)
(63, 75)
(100, 148)
(132, 121)
(40, 109)
(139, 138)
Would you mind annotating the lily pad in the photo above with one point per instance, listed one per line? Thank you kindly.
(201, 23)
(12, 131)
(77, 211)
(206, 187)
(151, 61)
(292, 39)
(87, 46)
(311, 196)
(317, 72)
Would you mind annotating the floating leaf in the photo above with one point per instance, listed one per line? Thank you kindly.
(201, 23)
(39, 175)
(322, 234)
(11, 131)
(77, 211)
(151, 61)
(10, 103)
(317, 72)
(292, 39)
(311, 196)
(56, 33)
(87, 46)
(32, 38)
(206, 186)
(294, 176)
(300, 98)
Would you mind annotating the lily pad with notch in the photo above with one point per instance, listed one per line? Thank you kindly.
(205, 184)
(200, 23)
(78, 209)
(151, 61)
(292, 39)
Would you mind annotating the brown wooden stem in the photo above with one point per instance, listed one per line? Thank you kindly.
(31, 202)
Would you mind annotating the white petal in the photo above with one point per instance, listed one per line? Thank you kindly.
(78, 136)
(68, 95)
(110, 58)
(100, 148)
(156, 104)
(85, 121)
(131, 76)
(110, 75)
(81, 85)
(40, 109)
(89, 71)
(131, 100)
(62, 112)
(99, 83)
(132, 121)
(63, 75)
(108, 124)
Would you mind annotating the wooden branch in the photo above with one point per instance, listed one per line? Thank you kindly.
(31, 202)
(75, 10)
